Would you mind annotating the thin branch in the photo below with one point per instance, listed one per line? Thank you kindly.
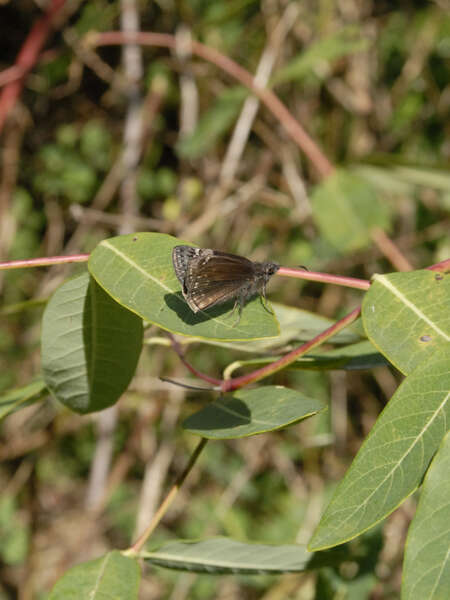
(137, 546)
(250, 108)
(43, 261)
(176, 346)
(444, 265)
(132, 137)
(239, 382)
(352, 282)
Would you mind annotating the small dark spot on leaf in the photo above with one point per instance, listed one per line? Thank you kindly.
(135, 238)
(426, 338)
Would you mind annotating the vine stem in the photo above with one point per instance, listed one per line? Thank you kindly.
(177, 347)
(137, 546)
(43, 261)
(352, 282)
(239, 382)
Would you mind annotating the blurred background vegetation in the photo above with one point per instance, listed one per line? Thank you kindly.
(102, 143)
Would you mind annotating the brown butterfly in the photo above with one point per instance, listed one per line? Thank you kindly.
(210, 277)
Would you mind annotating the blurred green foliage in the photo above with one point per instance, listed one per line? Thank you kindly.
(71, 167)
(370, 83)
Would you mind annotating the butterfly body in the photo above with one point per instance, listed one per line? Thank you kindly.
(211, 277)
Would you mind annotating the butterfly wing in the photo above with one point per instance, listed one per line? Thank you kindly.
(181, 256)
(214, 277)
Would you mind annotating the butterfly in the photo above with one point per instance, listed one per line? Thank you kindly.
(210, 277)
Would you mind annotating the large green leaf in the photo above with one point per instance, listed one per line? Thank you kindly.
(90, 346)
(393, 459)
(137, 271)
(407, 316)
(346, 208)
(223, 555)
(249, 412)
(426, 572)
(111, 577)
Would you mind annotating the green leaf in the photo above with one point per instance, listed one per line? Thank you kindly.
(407, 316)
(426, 571)
(312, 60)
(213, 124)
(223, 555)
(393, 459)
(249, 412)
(346, 208)
(137, 271)
(20, 397)
(112, 576)
(14, 531)
(90, 346)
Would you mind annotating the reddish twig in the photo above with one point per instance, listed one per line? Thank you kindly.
(176, 346)
(441, 266)
(43, 262)
(360, 284)
(11, 74)
(267, 97)
(239, 382)
(27, 58)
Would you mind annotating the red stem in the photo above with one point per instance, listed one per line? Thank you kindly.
(43, 262)
(238, 382)
(192, 369)
(360, 284)
(440, 266)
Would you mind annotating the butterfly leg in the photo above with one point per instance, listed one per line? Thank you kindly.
(264, 299)
(239, 305)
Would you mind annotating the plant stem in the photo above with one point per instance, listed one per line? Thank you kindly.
(43, 261)
(238, 382)
(137, 546)
(361, 284)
